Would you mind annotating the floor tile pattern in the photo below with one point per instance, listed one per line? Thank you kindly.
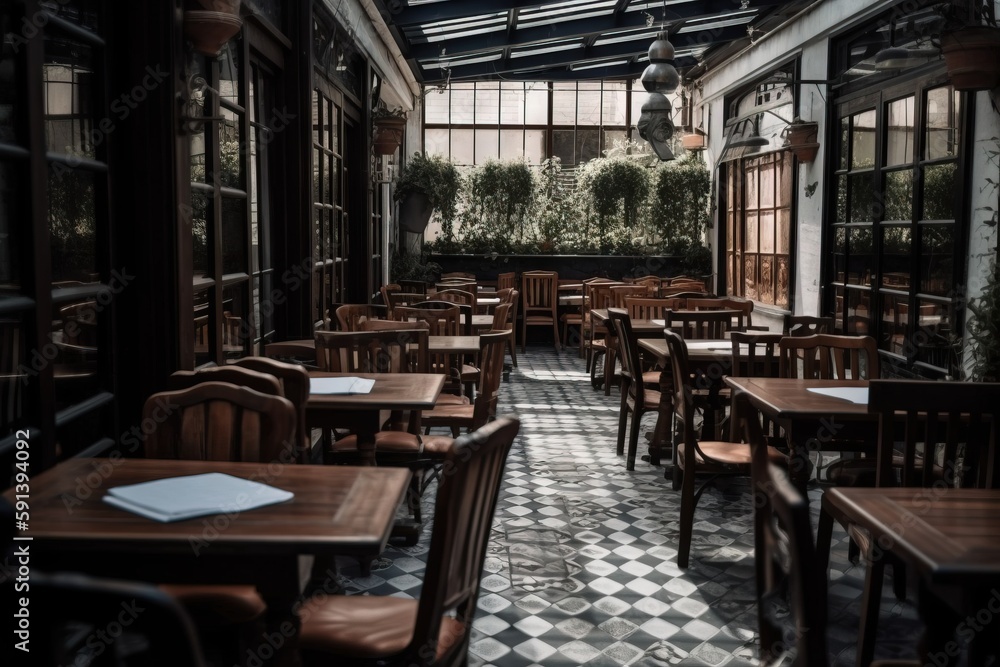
(581, 568)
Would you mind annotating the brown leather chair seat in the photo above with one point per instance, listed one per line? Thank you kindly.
(218, 605)
(727, 453)
(399, 442)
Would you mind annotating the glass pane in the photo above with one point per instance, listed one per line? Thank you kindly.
(940, 192)
(751, 190)
(859, 244)
(9, 100)
(234, 236)
(236, 329)
(563, 107)
(563, 146)
(463, 103)
(752, 232)
(75, 336)
(68, 86)
(230, 156)
(862, 195)
(487, 145)
(941, 136)
(937, 256)
(331, 187)
(511, 144)
(11, 222)
(436, 107)
(436, 142)
(783, 232)
(611, 137)
(935, 338)
(767, 232)
(898, 195)
(84, 13)
(317, 239)
(899, 149)
(332, 120)
(613, 104)
(534, 145)
(317, 169)
(838, 310)
(13, 378)
(845, 135)
(897, 246)
(841, 198)
(588, 109)
(202, 343)
(840, 253)
(767, 185)
(863, 140)
(317, 110)
(229, 72)
(72, 224)
(200, 212)
(511, 103)
(487, 103)
(587, 146)
(536, 104)
(462, 146)
(859, 312)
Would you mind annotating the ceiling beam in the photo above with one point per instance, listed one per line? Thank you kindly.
(538, 69)
(618, 72)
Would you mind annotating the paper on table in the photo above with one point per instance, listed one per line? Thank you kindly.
(346, 385)
(177, 498)
(659, 323)
(857, 395)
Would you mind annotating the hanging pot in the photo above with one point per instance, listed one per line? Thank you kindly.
(210, 28)
(693, 142)
(800, 138)
(388, 135)
(415, 212)
(970, 54)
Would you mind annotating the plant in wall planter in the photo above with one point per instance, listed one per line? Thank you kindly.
(801, 139)
(970, 42)
(427, 184)
(387, 131)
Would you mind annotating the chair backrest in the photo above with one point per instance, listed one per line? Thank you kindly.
(702, 324)
(463, 296)
(688, 282)
(745, 306)
(960, 419)
(241, 377)
(652, 283)
(501, 317)
(683, 385)
(386, 351)
(351, 315)
(443, 320)
(73, 606)
(787, 563)
(492, 346)
(683, 291)
(218, 421)
(628, 346)
(827, 356)
(539, 291)
(458, 274)
(754, 354)
(506, 280)
(651, 308)
(295, 351)
(807, 325)
(620, 292)
(294, 381)
(463, 518)
(413, 287)
(599, 294)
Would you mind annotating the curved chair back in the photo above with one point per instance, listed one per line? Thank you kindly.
(702, 324)
(218, 421)
(652, 308)
(827, 356)
(506, 280)
(386, 351)
(807, 325)
(351, 315)
(294, 380)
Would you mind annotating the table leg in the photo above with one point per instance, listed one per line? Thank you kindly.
(281, 592)
(939, 629)
(799, 464)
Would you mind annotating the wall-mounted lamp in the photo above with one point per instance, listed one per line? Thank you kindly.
(898, 57)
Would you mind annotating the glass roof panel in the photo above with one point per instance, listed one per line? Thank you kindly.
(546, 48)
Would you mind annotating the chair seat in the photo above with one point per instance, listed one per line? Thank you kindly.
(539, 319)
(451, 399)
(218, 605)
(727, 453)
(651, 378)
(447, 412)
(399, 442)
(365, 626)
(571, 318)
(651, 399)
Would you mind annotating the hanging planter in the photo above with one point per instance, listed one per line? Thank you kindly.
(970, 54)
(694, 141)
(801, 139)
(388, 134)
(209, 24)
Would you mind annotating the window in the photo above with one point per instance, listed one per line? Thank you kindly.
(897, 247)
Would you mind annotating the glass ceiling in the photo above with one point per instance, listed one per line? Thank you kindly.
(464, 40)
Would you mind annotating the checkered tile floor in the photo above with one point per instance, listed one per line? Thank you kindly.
(581, 567)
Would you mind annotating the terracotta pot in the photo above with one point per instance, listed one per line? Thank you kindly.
(970, 55)
(693, 142)
(209, 31)
(800, 138)
(388, 135)
(224, 6)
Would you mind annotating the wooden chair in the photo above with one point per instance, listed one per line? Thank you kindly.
(621, 292)
(598, 295)
(744, 306)
(443, 319)
(434, 630)
(586, 325)
(686, 282)
(350, 316)
(807, 325)
(826, 356)
(458, 274)
(483, 407)
(539, 303)
(949, 435)
(295, 352)
(652, 308)
(506, 281)
(417, 287)
(756, 355)
(652, 284)
(67, 609)
(704, 457)
(702, 324)
(294, 380)
(513, 299)
(637, 398)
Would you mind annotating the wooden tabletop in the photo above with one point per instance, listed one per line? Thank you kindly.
(336, 509)
(464, 344)
(789, 398)
(641, 328)
(392, 391)
(698, 350)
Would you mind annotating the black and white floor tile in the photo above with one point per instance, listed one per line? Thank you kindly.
(581, 568)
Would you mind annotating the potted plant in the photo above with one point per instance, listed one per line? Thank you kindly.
(209, 24)
(801, 139)
(387, 131)
(970, 42)
(427, 184)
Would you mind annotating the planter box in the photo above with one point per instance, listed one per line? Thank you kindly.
(571, 267)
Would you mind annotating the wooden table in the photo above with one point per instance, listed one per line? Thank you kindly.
(951, 538)
(457, 344)
(360, 413)
(336, 510)
(641, 328)
(810, 421)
